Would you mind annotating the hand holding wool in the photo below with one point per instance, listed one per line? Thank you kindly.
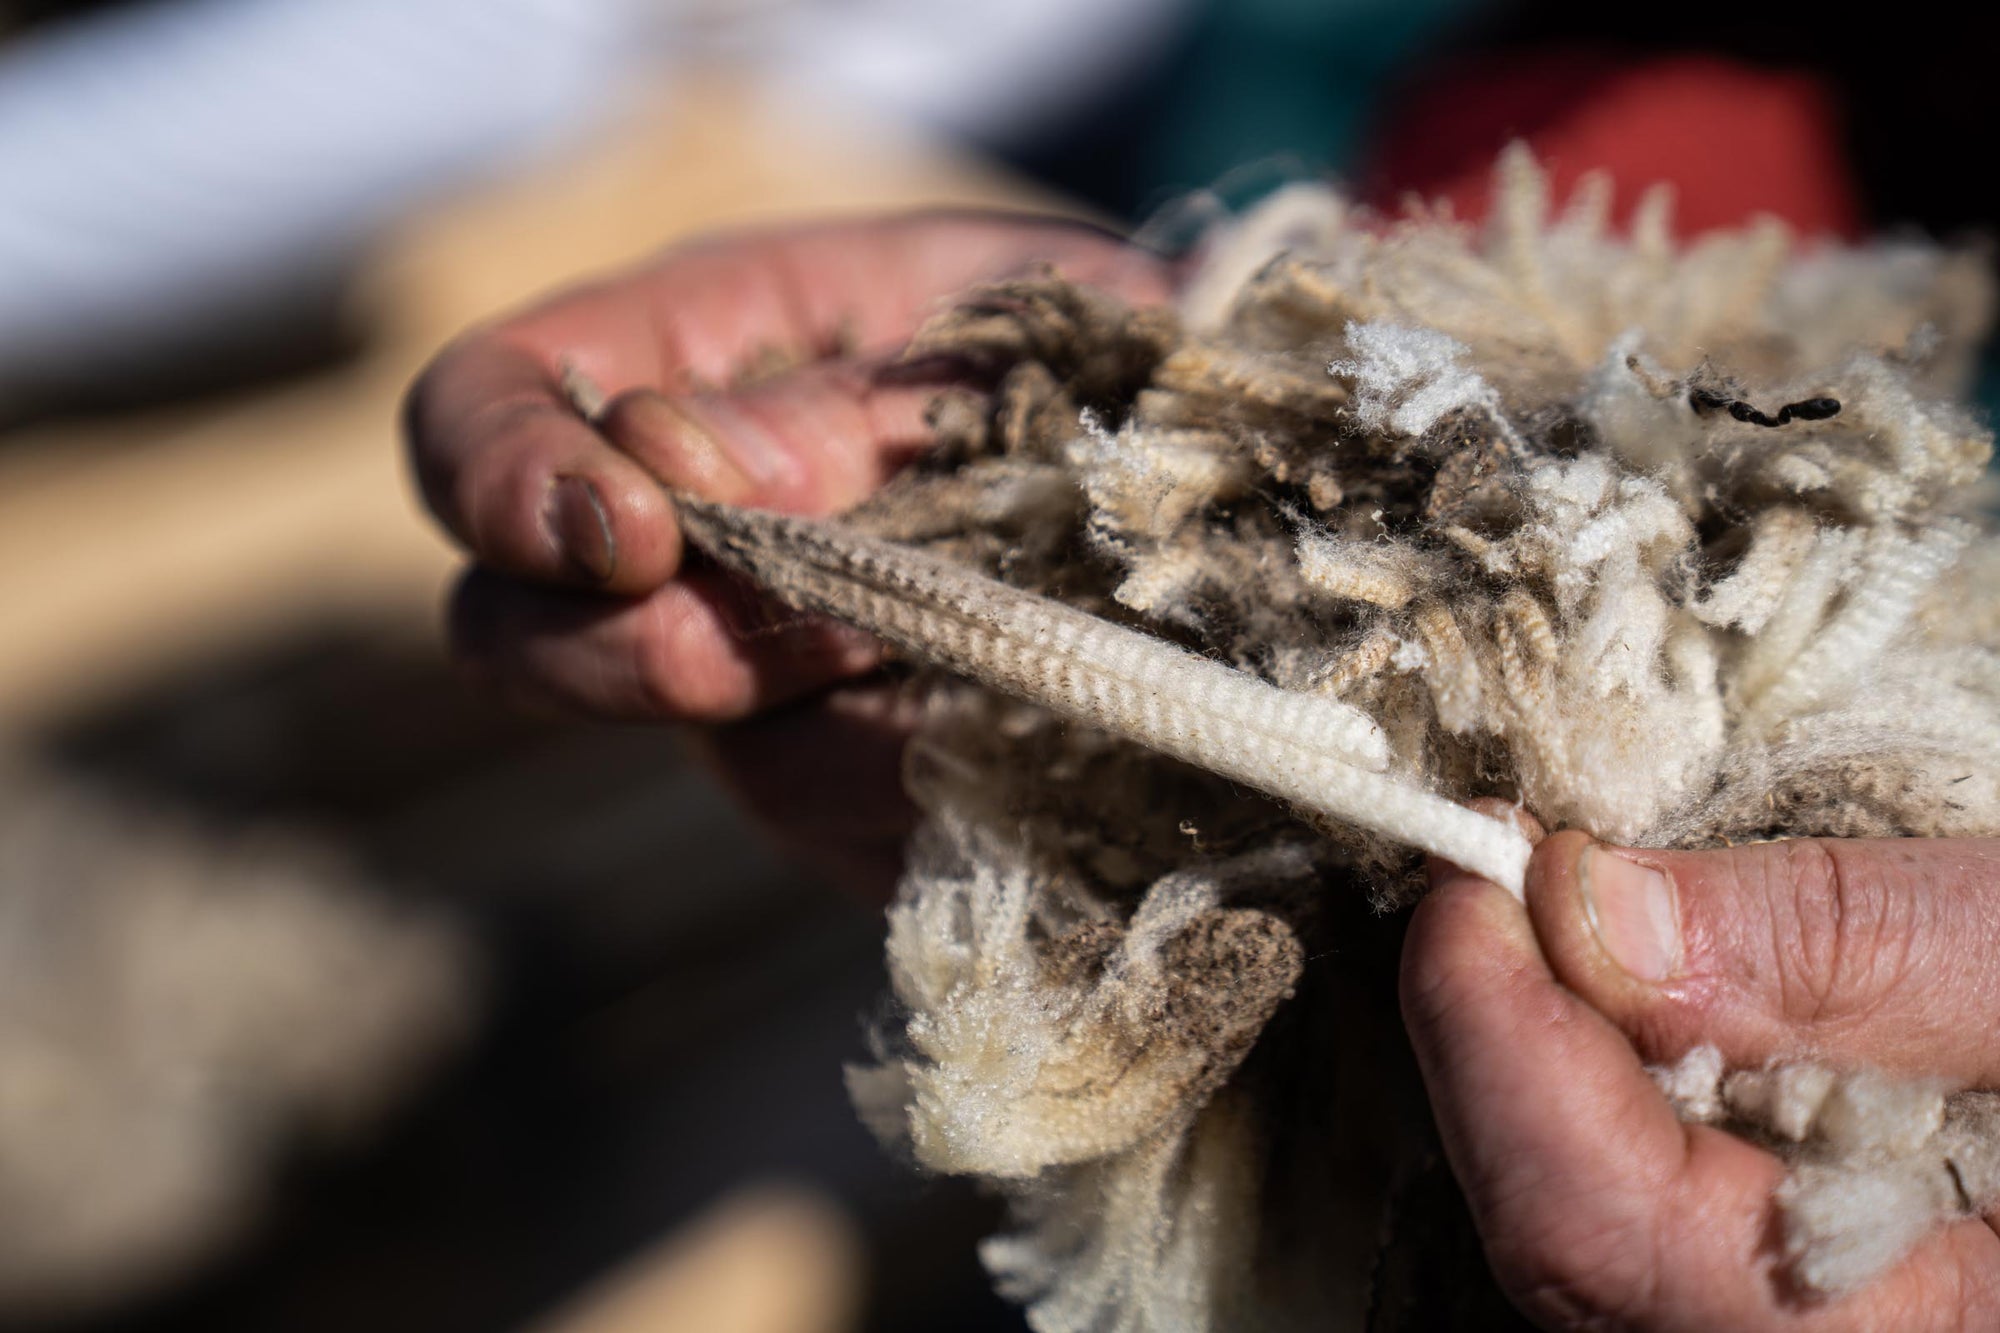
(1595, 1201)
(753, 369)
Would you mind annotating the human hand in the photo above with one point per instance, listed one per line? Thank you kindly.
(1600, 1209)
(579, 597)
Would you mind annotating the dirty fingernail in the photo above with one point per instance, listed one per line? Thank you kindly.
(582, 528)
(1631, 907)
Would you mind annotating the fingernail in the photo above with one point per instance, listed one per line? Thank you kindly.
(1631, 907)
(729, 466)
(582, 528)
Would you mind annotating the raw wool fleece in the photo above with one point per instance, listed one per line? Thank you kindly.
(1675, 545)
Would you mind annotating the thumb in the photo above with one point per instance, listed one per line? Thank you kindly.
(1880, 952)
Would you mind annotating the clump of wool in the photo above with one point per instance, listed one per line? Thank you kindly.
(1675, 544)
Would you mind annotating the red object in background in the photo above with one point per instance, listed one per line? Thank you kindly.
(1733, 140)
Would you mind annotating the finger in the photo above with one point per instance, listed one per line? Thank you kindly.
(1563, 1145)
(525, 484)
(1878, 952)
(1597, 1207)
(529, 489)
(815, 441)
(701, 648)
(542, 495)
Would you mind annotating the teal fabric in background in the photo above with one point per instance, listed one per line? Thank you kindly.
(1254, 92)
(1289, 79)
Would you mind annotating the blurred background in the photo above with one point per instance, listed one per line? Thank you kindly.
(334, 996)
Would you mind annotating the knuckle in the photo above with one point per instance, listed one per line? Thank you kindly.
(1841, 931)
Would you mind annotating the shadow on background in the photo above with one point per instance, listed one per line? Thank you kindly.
(667, 1006)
